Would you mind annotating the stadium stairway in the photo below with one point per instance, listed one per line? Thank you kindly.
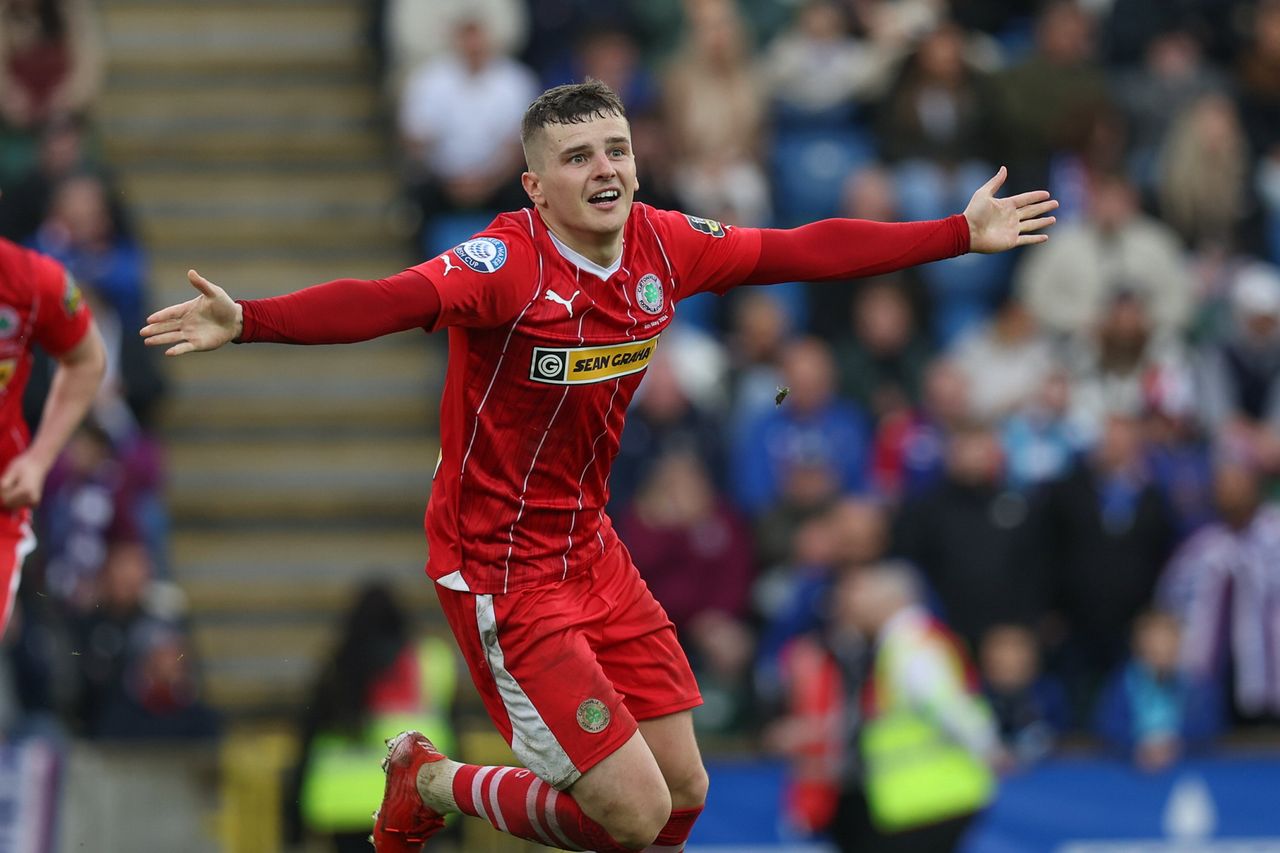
(249, 139)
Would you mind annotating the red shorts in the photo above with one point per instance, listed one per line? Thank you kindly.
(16, 543)
(566, 670)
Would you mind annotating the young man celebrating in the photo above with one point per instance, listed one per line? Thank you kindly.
(39, 304)
(553, 313)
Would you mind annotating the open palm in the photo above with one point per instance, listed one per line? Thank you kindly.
(1000, 224)
(204, 323)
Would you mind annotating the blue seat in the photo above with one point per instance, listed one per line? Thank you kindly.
(809, 170)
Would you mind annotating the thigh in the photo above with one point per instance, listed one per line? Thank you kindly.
(673, 744)
(532, 662)
(637, 645)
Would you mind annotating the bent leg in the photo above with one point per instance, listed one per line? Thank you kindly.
(619, 805)
(674, 747)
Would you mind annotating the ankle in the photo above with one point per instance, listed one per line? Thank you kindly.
(435, 784)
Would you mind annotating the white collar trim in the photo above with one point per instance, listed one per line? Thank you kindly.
(583, 263)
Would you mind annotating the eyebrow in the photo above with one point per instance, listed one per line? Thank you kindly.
(578, 149)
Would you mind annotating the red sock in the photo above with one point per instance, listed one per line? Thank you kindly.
(673, 836)
(518, 803)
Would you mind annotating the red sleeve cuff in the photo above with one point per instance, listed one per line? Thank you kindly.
(249, 322)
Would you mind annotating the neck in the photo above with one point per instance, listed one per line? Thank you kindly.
(602, 249)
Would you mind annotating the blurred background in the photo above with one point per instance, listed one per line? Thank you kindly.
(1077, 446)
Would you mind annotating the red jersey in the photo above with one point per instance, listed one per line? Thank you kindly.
(546, 350)
(40, 303)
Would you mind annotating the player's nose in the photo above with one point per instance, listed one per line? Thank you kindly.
(604, 168)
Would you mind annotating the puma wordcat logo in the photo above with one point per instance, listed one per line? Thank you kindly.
(567, 303)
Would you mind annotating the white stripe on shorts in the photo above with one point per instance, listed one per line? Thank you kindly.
(25, 546)
(531, 740)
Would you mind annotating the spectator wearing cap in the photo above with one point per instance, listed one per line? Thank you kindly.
(1240, 375)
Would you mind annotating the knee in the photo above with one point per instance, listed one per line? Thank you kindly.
(636, 823)
(689, 790)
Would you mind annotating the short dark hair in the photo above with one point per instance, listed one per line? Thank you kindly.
(570, 104)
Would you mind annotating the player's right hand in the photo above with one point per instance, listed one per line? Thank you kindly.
(204, 323)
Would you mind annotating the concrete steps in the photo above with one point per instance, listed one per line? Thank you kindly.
(252, 144)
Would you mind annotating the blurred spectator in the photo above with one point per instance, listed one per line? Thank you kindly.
(882, 363)
(978, 543)
(1132, 29)
(1177, 452)
(1030, 707)
(377, 682)
(1151, 709)
(1114, 366)
(160, 698)
(62, 153)
(792, 595)
(94, 493)
(416, 32)
(1203, 172)
(1040, 441)
(130, 648)
(1173, 75)
(935, 127)
(1108, 533)
(1223, 585)
(811, 446)
(50, 65)
(468, 165)
(556, 28)
(82, 232)
(817, 71)
(715, 114)
(1070, 282)
(1239, 387)
(695, 553)
(1258, 78)
(927, 738)
(761, 330)
(897, 23)
(937, 119)
(669, 416)
(907, 456)
(1006, 361)
(610, 54)
(1048, 96)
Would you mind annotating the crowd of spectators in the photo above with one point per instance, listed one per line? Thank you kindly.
(98, 646)
(1074, 445)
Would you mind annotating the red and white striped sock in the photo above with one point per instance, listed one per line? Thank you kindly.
(673, 836)
(517, 802)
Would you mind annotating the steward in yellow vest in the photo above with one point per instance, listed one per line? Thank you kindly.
(926, 739)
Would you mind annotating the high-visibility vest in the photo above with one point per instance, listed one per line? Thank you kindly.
(914, 774)
(343, 782)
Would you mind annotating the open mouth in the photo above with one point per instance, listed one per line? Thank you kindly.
(604, 197)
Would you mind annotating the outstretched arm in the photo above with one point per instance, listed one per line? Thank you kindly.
(75, 383)
(337, 312)
(851, 248)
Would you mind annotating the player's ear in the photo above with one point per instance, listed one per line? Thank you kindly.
(532, 187)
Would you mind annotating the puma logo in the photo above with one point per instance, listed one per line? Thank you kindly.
(448, 264)
(567, 303)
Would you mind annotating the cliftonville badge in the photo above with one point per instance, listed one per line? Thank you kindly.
(593, 716)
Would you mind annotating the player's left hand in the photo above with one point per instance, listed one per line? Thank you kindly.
(999, 224)
(22, 482)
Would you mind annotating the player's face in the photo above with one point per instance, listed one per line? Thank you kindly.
(585, 178)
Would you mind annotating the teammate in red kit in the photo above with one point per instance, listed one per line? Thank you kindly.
(553, 313)
(39, 304)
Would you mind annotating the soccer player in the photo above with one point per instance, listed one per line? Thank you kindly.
(553, 313)
(39, 304)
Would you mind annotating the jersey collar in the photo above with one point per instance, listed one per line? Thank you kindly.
(586, 264)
